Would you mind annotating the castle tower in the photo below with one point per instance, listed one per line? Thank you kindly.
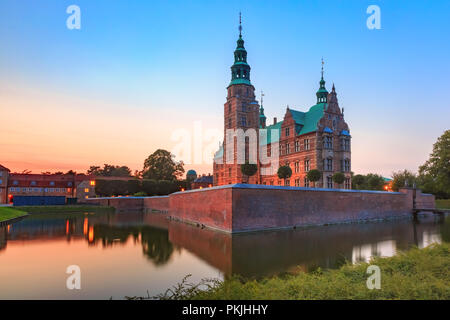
(241, 111)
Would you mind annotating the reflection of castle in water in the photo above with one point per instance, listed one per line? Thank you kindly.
(248, 254)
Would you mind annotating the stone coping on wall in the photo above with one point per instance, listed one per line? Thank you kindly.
(266, 187)
(112, 198)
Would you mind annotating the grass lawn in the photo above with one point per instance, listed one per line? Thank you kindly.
(414, 274)
(7, 213)
(443, 203)
(65, 209)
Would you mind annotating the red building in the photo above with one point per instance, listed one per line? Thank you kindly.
(68, 185)
(316, 139)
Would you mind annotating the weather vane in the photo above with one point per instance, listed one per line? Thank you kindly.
(240, 25)
(322, 66)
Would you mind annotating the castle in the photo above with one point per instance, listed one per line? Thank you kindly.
(316, 139)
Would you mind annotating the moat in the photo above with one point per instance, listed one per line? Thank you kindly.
(128, 254)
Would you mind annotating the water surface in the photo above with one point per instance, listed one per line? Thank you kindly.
(128, 254)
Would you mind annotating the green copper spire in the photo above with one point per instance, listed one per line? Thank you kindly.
(262, 117)
(322, 93)
(240, 70)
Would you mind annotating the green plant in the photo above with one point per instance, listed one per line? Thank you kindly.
(359, 181)
(284, 172)
(314, 175)
(403, 178)
(338, 178)
(249, 169)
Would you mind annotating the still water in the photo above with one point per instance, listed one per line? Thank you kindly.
(128, 254)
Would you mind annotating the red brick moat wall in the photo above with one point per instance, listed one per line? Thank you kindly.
(211, 207)
(239, 207)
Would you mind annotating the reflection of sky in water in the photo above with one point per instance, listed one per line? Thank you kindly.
(130, 253)
(428, 238)
(364, 252)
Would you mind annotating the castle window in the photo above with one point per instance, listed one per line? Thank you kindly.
(281, 149)
(33, 183)
(229, 172)
(329, 182)
(306, 165)
(297, 182)
(306, 144)
(347, 183)
(328, 142)
(328, 164)
(346, 165)
(243, 121)
(271, 182)
(243, 107)
(287, 183)
(287, 148)
(287, 131)
(297, 146)
(15, 182)
(306, 182)
(297, 167)
(229, 122)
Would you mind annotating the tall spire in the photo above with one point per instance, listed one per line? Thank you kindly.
(322, 67)
(240, 25)
(262, 117)
(322, 93)
(240, 70)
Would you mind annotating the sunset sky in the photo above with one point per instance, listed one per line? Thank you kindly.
(138, 71)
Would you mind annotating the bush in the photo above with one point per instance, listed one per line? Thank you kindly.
(338, 177)
(402, 179)
(314, 175)
(284, 172)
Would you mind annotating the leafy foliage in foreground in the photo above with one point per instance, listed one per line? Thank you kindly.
(415, 274)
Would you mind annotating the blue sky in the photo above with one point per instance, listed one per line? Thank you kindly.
(138, 68)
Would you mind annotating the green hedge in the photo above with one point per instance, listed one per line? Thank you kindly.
(107, 188)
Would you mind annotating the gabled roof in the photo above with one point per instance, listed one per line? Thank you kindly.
(2, 168)
(305, 122)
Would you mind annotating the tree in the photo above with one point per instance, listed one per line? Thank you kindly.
(359, 181)
(314, 175)
(375, 182)
(434, 174)
(160, 165)
(248, 169)
(338, 178)
(403, 178)
(71, 172)
(284, 172)
(109, 170)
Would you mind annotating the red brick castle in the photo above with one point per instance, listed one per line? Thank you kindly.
(316, 139)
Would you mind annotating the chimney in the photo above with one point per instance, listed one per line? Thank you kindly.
(274, 120)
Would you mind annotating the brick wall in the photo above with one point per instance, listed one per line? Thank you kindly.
(239, 208)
